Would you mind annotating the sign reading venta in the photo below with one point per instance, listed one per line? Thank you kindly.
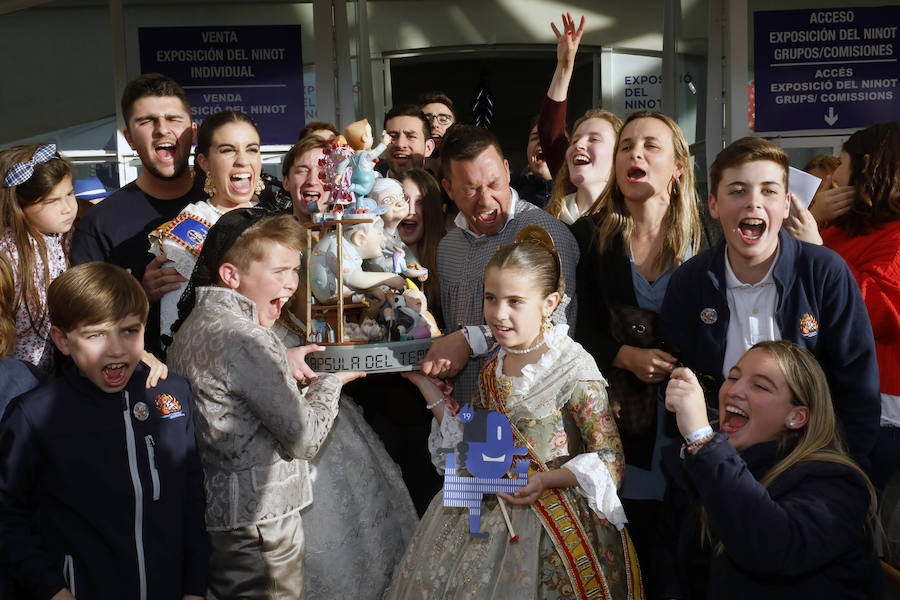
(256, 69)
(826, 68)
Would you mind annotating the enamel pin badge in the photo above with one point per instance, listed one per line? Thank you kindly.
(141, 411)
(709, 316)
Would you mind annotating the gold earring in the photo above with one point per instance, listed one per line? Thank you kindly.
(547, 324)
(209, 187)
(260, 186)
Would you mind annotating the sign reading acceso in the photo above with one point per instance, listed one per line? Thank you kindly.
(826, 68)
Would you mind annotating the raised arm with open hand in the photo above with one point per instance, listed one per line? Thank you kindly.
(566, 47)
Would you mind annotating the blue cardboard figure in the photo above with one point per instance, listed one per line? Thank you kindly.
(487, 452)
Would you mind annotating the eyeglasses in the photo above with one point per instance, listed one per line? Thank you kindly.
(442, 118)
(394, 200)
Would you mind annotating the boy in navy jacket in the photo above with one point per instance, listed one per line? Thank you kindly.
(101, 488)
(758, 283)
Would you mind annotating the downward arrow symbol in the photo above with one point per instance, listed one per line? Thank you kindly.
(830, 117)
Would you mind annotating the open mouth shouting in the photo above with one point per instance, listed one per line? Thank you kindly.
(751, 229)
(165, 151)
(734, 419)
(408, 226)
(115, 374)
(310, 196)
(241, 183)
(488, 218)
(581, 159)
(401, 158)
(635, 175)
(275, 306)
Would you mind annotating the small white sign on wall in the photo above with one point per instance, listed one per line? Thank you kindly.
(636, 82)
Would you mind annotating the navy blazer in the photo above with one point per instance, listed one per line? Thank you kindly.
(103, 492)
(805, 536)
(819, 308)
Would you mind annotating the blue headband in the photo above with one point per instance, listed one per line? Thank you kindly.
(21, 172)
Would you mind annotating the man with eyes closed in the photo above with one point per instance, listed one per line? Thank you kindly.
(159, 128)
(476, 177)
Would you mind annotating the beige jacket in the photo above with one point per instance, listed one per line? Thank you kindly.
(254, 426)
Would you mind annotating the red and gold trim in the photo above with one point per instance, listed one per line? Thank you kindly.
(192, 239)
(560, 520)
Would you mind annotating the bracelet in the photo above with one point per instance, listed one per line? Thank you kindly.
(435, 403)
(694, 447)
(696, 435)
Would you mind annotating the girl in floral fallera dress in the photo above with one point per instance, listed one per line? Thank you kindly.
(572, 541)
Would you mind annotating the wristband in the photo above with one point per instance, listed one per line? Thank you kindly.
(696, 435)
(694, 447)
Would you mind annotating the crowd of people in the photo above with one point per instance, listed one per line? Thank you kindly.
(708, 391)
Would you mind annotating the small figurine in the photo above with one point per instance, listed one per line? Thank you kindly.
(397, 322)
(336, 179)
(389, 193)
(362, 161)
(416, 301)
(396, 256)
(360, 241)
(371, 330)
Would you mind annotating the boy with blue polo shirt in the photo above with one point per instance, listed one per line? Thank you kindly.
(758, 283)
(101, 490)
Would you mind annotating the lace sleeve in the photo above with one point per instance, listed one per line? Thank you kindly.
(600, 469)
(446, 434)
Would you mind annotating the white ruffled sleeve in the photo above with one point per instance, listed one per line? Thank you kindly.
(446, 434)
(597, 485)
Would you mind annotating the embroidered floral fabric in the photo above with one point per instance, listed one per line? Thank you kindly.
(560, 406)
(35, 346)
(181, 257)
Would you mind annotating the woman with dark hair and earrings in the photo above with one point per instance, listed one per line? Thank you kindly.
(228, 153)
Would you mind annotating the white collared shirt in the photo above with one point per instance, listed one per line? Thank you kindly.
(461, 222)
(570, 211)
(752, 308)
